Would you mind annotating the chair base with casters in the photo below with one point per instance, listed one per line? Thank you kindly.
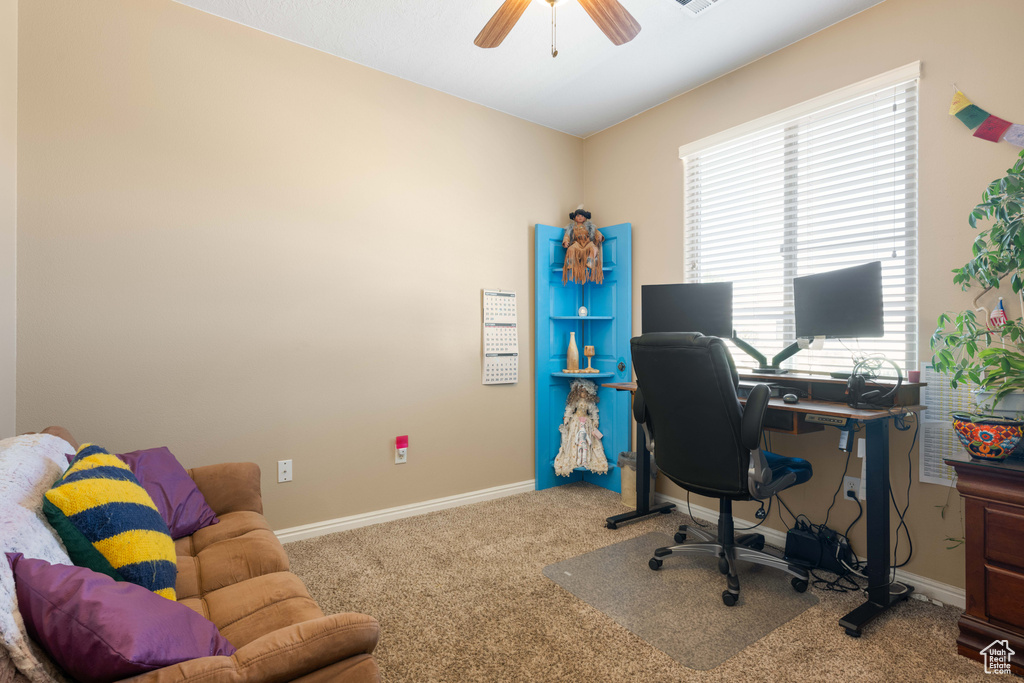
(729, 548)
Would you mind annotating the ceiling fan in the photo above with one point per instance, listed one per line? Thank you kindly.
(611, 17)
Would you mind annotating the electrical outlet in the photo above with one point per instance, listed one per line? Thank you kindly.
(284, 471)
(851, 484)
(401, 449)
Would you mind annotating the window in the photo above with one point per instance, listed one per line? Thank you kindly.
(825, 185)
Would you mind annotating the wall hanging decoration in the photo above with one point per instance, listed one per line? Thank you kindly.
(985, 126)
(501, 337)
(581, 438)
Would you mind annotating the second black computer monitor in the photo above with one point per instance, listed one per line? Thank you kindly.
(843, 303)
(704, 307)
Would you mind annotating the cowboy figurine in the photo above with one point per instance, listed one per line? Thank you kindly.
(583, 251)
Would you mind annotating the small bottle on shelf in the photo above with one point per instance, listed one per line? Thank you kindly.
(572, 355)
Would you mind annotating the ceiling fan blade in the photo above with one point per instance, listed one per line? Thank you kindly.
(613, 19)
(501, 23)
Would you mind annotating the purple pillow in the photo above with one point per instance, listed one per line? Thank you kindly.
(101, 630)
(176, 496)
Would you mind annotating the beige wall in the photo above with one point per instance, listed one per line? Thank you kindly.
(633, 173)
(8, 209)
(246, 249)
(249, 250)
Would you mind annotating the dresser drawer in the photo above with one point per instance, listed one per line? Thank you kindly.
(1003, 539)
(1004, 596)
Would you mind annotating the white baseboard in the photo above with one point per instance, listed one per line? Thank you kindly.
(298, 533)
(924, 588)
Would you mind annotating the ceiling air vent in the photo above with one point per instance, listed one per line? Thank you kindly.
(696, 6)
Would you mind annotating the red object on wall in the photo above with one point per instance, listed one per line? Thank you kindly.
(992, 129)
(402, 441)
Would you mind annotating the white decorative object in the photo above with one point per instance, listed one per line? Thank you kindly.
(29, 465)
(582, 312)
(581, 438)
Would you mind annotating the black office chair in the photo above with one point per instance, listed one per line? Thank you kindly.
(707, 443)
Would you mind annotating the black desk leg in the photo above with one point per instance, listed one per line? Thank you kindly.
(643, 496)
(881, 593)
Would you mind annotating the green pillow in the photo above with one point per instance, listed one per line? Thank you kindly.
(110, 524)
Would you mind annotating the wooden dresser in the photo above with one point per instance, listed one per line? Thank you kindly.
(993, 494)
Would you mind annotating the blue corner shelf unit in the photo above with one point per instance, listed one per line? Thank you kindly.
(607, 328)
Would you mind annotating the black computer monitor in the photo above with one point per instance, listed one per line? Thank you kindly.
(840, 303)
(692, 307)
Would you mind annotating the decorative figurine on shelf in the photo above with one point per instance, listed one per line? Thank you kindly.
(572, 355)
(581, 439)
(583, 251)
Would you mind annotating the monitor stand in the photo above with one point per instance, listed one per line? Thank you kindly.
(763, 367)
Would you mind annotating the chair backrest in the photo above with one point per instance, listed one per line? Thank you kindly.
(688, 382)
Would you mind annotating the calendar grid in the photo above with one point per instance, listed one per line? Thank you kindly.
(501, 337)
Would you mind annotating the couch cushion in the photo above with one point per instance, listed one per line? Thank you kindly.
(110, 524)
(253, 608)
(232, 525)
(241, 547)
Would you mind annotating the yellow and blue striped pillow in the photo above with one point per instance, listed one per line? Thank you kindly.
(110, 524)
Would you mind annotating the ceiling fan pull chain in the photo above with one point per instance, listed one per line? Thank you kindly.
(554, 50)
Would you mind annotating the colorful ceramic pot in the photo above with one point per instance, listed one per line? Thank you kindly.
(989, 438)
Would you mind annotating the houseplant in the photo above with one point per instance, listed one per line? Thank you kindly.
(990, 355)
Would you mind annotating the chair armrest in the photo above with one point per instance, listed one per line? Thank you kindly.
(753, 416)
(283, 655)
(641, 416)
(230, 487)
(639, 407)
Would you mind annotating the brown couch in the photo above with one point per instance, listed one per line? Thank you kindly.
(235, 574)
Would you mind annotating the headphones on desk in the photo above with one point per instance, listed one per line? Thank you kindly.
(857, 395)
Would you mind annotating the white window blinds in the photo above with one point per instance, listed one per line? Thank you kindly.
(833, 188)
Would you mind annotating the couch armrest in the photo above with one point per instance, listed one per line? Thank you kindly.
(285, 655)
(230, 486)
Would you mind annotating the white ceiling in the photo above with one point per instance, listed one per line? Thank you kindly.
(590, 86)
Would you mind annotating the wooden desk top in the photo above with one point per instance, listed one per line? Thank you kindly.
(805, 406)
(818, 379)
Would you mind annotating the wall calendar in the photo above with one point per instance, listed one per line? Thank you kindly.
(501, 338)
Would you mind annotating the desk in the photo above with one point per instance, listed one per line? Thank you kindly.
(787, 418)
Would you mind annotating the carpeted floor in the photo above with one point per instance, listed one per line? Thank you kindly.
(460, 597)
(617, 581)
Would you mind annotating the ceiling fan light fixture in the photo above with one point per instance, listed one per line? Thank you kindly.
(611, 17)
